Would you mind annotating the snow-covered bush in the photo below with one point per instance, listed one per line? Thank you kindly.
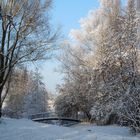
(130, 110)
(104, 115)
(65, 106)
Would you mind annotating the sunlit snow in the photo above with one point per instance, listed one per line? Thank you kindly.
(12, 129)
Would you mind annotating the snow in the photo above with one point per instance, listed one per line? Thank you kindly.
(23, 129)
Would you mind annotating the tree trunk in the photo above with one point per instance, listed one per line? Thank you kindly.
(1, 89)
(0, 111)
(0, 105)
(88, 115)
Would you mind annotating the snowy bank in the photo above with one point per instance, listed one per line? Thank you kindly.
(12, 129)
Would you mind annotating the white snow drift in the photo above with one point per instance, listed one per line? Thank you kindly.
(12, 129)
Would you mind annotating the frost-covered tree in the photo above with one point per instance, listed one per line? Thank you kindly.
(16, 91)
(25, 35)
(119, 69)
(66, 104)
(104, 63)
(36, 99)
(130, 108)
(27, 94)
(83, 61)
(77, 80)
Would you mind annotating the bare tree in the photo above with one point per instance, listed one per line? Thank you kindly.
(25, 35)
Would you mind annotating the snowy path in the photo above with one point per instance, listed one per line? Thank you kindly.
(11, 129)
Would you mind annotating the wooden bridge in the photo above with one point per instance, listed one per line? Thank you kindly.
(47, 117)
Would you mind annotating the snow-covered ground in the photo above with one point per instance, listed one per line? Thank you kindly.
(11, 129)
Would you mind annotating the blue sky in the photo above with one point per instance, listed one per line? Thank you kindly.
(66, 13)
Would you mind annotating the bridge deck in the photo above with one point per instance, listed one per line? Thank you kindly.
(56, 118)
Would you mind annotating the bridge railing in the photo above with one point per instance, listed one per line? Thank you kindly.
(42, 115)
